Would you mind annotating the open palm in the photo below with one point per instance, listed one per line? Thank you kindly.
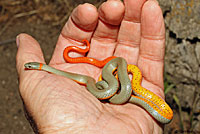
(133, 30)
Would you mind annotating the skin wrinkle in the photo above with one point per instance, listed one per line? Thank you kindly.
(114, 115)
(65, 128)
(127, 123)
(159, 88)
(84, 118)
(136, 7)
(29, 82)
(155, 37)
(151, 58)
(132, 22)
(106, 48)
(154, 85)
(19, 66)
(73, 96)
(29, 117)
(98, 119)
(25, 38)
(107, 43)
(24, 85)
(104, 24)
(55, 101)
(134, 127)
(71, 26)
(94, 105)
(158, 26)
(40, 96)
(129, 19)
(108, 123)
(130, 28)
(75, 42)
(90, 99)
(59, 80)
(150, 120)
(31, 111)
(70, 39)
(146, 116)
(154, 128)
(128, 44)
(71, 105)
(111, 114)
(40, 99)
(100, 113)
(83, 107)
(132, 51)
(109, 35)
(70, 67)
(48, 105)
(24, 94)
(104, 39)
(87, 70)
(77, 98)
(156, 50)
(49, 90)
(29, 54)
(141, 130)
(80, 28)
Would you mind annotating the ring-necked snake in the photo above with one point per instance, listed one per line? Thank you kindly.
(157, 107)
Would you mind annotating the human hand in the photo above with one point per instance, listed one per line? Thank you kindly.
(134, 31)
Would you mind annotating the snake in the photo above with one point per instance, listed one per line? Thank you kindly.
(157, 107)
(137, 94)
(108, 87)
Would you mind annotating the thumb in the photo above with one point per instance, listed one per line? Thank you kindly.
(28, 51)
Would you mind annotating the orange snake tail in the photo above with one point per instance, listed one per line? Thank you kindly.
(87, 60)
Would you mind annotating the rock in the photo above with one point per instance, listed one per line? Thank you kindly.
(184, 18)
(181, 61)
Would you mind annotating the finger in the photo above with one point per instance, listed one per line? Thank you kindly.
(152, 48)
(28, 51)
(79, 26)
(130, 31)
(104, 39)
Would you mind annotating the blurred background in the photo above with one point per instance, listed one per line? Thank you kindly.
(44, 19)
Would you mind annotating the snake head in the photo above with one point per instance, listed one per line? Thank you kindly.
(32, 65)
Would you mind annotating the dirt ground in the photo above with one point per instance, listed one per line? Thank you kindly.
(44, 21)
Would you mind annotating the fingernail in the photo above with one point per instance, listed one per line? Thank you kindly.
(17, 40)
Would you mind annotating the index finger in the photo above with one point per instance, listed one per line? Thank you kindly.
(79, 26)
